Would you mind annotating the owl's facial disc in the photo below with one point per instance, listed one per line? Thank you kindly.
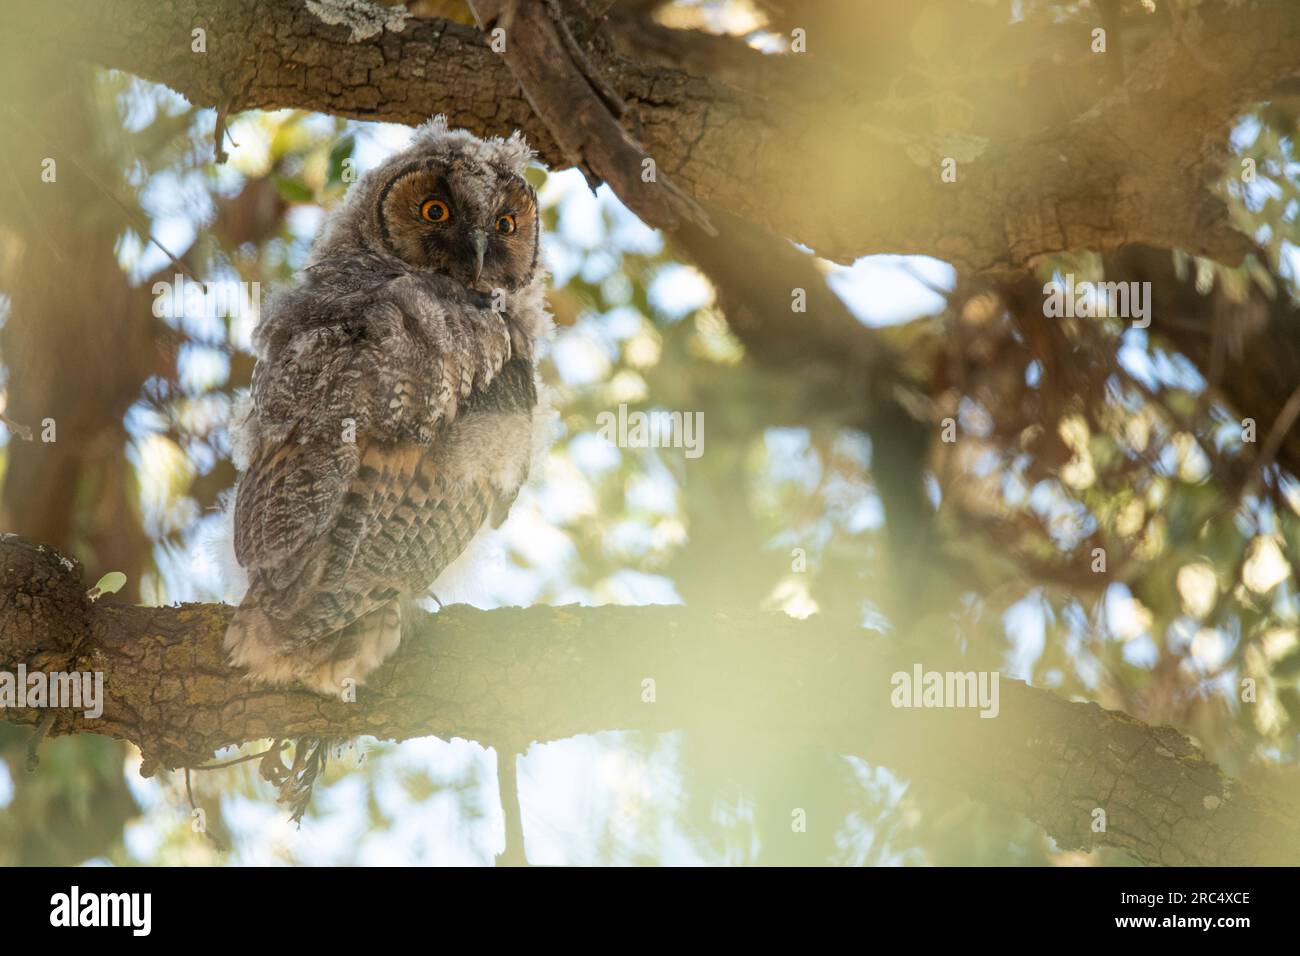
(477, 224)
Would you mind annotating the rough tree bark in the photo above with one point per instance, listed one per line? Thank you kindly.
(509, 677)
(1135, 164)
(1049, 160)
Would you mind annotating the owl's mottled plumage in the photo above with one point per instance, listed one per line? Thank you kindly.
(392, 407)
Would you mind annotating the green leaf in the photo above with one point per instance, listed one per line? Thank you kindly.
(340, 154)
(292, 190)
(110, 583)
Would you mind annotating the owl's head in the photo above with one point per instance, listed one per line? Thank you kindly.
(451, 203)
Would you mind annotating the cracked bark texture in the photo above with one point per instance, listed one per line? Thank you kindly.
(1051, 157)
(509, 677)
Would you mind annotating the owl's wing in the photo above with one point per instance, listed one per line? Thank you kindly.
(403, 522)
(329, 613)
(412, 509)
(396, 524)
(290, 494)
(325, 378)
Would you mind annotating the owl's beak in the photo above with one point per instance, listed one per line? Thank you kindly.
(479, 240)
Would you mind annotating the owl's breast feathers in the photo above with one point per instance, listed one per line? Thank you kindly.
(384, 441)
(396, 359)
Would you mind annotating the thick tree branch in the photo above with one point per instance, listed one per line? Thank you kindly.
(569, 95)
(1050, 156)
(507, 676)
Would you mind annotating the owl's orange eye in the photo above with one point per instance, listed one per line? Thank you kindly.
(435, 210)
(506, 225)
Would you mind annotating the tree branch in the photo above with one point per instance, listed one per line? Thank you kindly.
(1052, 156)
(547, 673)
(569, 95)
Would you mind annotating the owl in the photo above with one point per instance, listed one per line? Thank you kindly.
(393, 411)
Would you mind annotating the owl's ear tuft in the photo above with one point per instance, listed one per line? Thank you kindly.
(515, 152)
(433, 128)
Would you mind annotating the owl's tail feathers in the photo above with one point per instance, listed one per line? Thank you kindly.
(251, 644)
(333, 664)
(350, 654)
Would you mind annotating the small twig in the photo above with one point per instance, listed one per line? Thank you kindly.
(910, 268)
(1218, 351)
(139, 222)
(513, 853)
(221, 134)
(22, 431)
(189, 794)
(38, 223)
(238, 760)
(38, 735)
(1286, 418)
